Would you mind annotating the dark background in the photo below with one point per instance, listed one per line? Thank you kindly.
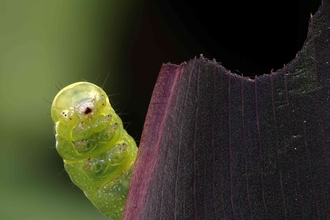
(247, 37)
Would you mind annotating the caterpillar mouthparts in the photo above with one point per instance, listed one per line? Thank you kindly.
(98, 153)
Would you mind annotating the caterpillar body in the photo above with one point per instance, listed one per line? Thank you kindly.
(98, 153)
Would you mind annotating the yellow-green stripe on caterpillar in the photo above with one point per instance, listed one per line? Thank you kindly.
(98, 153)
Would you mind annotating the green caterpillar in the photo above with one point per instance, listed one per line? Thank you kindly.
(98, 153)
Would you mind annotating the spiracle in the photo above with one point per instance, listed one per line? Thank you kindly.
(98, 153)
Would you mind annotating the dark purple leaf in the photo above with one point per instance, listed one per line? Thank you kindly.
(216, 145)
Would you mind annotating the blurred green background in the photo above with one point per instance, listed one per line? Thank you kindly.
(45, 45)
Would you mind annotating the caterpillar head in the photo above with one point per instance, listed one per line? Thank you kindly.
(81, 109)
(77, 102)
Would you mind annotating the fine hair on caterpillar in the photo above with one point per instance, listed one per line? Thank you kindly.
(98, 153)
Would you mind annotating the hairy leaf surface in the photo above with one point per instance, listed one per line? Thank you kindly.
(217, 145)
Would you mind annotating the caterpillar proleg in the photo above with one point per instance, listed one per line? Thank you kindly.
(98, 153)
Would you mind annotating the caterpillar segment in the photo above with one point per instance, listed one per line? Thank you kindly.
(97, 151)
